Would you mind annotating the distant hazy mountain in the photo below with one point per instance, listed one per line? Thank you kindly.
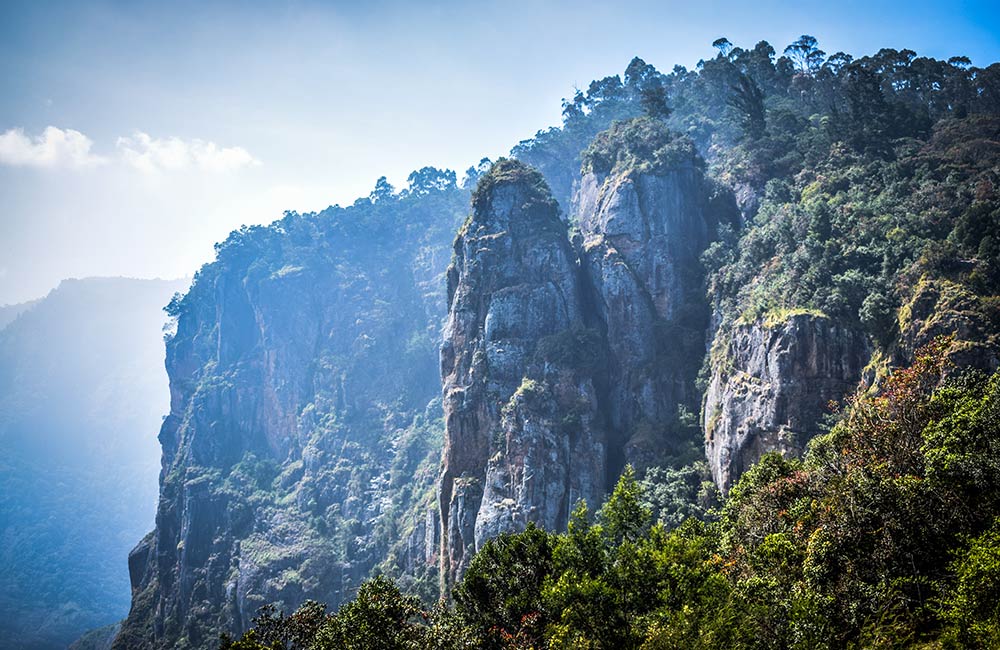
(9, 312)
(82, 393)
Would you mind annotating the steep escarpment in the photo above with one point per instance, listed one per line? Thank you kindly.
(561, 363)
(302, 439)
(772, 388)
(645, 215)
(302, 445)
(523, 435)
(859, 239)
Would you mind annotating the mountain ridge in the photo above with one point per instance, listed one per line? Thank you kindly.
(677, 217)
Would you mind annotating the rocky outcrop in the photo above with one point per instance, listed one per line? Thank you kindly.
(300, 450)
(643, 231)
(942, 307)
(771, 385)
(551, 447)
(563, 362)
(511, 455)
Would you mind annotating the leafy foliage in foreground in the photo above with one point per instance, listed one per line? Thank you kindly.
(886, 535)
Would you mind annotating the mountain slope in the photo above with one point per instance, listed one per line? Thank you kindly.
(755, 237)
(302, 440)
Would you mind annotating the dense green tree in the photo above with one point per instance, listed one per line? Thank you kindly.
(379, 617)
(885, 535)
(972, 607)
(624, 517)
(747, 101)
(500, 595)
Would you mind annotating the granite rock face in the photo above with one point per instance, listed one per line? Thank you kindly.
(561, 362)
(514, 290)
(551, 453)
(301, 448)
(643, 232)
(770, 387)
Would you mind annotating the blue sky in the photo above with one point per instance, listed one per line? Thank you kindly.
(171, 123)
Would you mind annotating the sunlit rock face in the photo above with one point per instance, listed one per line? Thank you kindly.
(562, 361)
(523, 440)
(771, 386)
(303, 445)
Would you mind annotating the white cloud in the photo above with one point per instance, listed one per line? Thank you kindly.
(151, 155)
(55, 147)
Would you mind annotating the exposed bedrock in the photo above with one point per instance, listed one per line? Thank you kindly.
(643, 233)
(511, 455)
(771, 385)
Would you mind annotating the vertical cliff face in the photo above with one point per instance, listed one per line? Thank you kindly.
(302, 446)
(770, 387)
(510, 455)
(643, 231)
(561, 363)
(302, 442)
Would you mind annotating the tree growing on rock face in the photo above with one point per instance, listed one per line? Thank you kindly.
(273, 630)
(474, 173)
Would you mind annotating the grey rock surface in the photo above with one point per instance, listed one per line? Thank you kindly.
(508, 458)
(642, 237)
(771, 386)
